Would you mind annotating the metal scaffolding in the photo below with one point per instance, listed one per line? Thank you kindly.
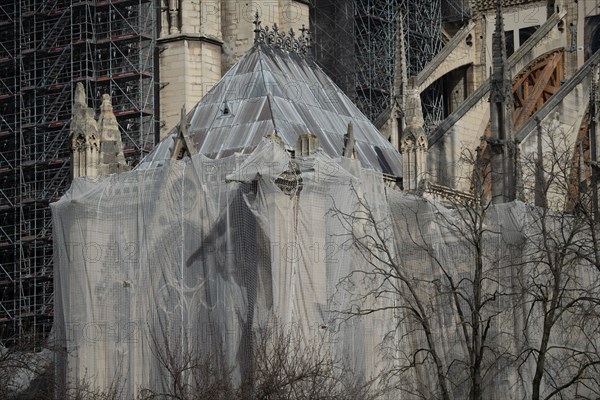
(332, 32)
(456, 11)
(355, 44)
(46, 47)
(375, 54)
(422, 22)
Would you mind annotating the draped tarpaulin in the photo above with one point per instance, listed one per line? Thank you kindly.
(193, 255)
(197, 253)
(202, 251)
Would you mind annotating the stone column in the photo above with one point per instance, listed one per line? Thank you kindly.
(190, 61)
(173, 17)
(413, 141)
(84, 137)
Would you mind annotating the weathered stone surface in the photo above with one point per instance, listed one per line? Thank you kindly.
(84, 137)
(96, 146)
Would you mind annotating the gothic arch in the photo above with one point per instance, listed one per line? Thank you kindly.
(408, 142)
(422, 142)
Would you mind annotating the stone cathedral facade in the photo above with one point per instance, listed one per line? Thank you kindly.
(244, 211)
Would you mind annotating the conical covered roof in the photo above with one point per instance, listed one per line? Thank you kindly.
(274, 90)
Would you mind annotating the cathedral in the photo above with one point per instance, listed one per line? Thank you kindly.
(447, 260)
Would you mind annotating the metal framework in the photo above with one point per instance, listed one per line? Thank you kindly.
(354, 42)
(374, 54)
(46, 47)
(422, 21)
(456, 11)
(333, 41)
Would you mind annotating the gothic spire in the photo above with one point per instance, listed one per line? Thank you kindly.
(502, 148)
(498, 93)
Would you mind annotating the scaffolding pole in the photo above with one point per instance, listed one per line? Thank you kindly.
(47, 46)
(375, 54)
(355, 42)
(422, 21)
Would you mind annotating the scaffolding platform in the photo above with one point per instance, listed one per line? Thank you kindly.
(47, 46)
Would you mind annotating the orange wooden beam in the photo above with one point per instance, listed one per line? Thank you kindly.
(535, 98)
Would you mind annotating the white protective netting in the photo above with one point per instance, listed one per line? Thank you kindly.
(198, 253)
(177, 250)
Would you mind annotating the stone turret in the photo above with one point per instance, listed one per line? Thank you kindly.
(112, 159)
(413, 143)
(96, 146)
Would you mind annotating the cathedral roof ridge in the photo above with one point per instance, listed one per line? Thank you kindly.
(275, 86)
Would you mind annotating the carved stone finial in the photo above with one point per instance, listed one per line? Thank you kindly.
(413, 113)
(279, 39)
(79, 98)
(303, 31)
(109, 127)
(257, 27)
(106, 108)
(96, 146)
(112, 159)
(349, 142)
(499, 88)
(84, 136)
(83, 121)
(82, 114)
(275, 138)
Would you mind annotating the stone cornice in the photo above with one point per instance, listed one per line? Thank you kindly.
(191, 37)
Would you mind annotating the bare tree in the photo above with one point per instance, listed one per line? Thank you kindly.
(26, 369)
(190, 372)
(561, 281)
(282, 365)
(289, 366)
(27, 373)
(446, 271)
(373, 237)
(489, 300)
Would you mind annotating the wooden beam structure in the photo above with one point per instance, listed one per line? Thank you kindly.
(534, 85)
